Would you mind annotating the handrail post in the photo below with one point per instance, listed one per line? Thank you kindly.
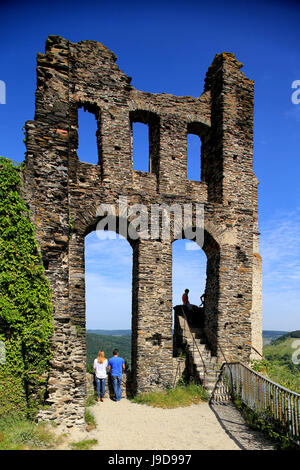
(260, 393)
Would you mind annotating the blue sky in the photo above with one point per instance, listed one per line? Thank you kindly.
(167, 47)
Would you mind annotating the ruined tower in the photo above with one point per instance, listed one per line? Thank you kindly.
(64, 193)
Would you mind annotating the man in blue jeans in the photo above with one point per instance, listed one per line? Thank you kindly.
(116, 367)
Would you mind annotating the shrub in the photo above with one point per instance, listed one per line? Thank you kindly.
(83, 445)
(182, 395)
(17, 433)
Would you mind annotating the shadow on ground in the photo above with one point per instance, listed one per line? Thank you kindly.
(237, 429)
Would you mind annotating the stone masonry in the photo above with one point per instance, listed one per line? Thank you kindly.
(64, 193)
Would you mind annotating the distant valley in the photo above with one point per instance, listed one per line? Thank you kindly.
(277, 351)
(270, 335)
(108, 340)
(110, 332)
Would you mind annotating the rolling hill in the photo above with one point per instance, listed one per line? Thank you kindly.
(271, 335)
(279, 365)
(106, 342)
(110, 332)
(277, 351)
(281, 349)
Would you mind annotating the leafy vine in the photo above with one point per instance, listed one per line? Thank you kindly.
(25, 302)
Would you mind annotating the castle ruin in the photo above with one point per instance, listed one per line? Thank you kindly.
(64, 193)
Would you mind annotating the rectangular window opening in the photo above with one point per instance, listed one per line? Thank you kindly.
(193, 157)
(140, 146)
(87, 137)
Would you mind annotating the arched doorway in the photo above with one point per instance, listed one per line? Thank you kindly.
(108, 296)
(108, 268)
(196, 267)
(189, 271)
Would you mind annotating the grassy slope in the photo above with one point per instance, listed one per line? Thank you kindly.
(182, 395)
(281, 349)
(279, 365)
(271, 335)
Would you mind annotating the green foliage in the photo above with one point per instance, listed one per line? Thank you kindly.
(264, 421)
(260, 366)
(280, 352)
(88, 416)
(91, 399)
(89, 419)
(17, 433)
(277, 364)
(25, 302)
(283, 374)
(12, 393)
(182, 395)
(291, 334)
(86, 444)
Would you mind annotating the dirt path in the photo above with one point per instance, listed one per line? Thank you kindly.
(128, 426)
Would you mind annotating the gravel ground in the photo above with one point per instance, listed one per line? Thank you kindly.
(129, 426)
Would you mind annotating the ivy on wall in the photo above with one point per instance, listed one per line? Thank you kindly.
(25, 302)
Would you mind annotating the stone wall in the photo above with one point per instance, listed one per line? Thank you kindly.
(64, 193)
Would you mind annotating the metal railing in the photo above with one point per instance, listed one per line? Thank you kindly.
(225, 389)
(261, 394)
(257, 392)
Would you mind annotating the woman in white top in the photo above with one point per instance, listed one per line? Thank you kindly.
(100, 365)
